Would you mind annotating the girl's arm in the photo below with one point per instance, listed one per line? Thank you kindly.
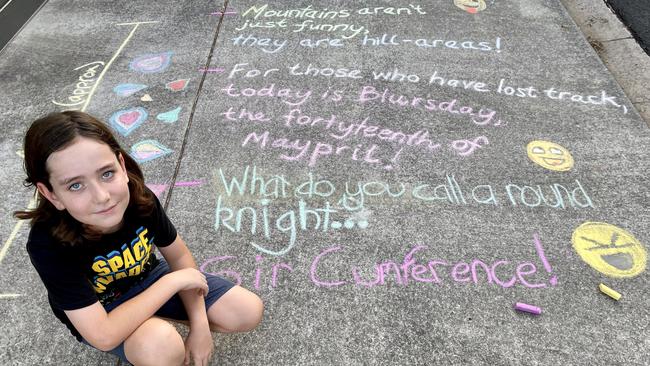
(106, 331)
(178, 257)
(199, 343)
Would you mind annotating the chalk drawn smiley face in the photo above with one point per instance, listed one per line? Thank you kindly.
(550, 155)
(471, 6)
(609, 249)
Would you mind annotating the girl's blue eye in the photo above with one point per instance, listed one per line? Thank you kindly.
(75, 187)
(108, 174)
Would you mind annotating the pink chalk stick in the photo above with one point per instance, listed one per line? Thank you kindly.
(528, 308)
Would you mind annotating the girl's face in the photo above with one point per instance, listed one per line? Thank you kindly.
(90, 182)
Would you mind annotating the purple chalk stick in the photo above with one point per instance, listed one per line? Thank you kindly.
(528, 308)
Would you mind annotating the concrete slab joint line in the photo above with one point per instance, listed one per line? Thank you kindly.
(193, 109)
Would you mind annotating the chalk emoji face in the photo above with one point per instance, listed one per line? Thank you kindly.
(550, 155)
(609, 249)
(471, 6)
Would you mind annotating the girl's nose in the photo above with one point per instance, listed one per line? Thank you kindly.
(100, 194)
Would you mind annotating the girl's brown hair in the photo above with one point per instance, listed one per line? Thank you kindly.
(55, 132)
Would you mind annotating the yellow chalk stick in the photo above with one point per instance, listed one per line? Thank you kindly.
(609, 292)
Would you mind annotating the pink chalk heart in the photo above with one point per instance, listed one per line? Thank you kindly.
(126, 121)
(177, 85)
(129, 118)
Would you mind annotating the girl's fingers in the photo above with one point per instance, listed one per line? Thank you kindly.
(198, 361)
(186, 362)
(203, 290)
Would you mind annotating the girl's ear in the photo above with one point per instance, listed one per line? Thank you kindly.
(120, 158)
(50, 196)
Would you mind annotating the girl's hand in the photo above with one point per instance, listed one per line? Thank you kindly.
(198, 346)
(188, 279)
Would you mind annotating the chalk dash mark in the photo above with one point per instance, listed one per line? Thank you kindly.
(226, 12)
(215, 70)
(188, 184)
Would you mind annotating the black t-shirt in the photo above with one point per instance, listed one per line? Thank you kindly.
(79, 276)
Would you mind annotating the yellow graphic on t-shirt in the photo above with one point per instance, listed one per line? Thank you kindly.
(129, 261)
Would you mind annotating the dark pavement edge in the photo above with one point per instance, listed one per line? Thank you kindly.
(617, 48)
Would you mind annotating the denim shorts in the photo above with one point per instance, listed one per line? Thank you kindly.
(173, 308)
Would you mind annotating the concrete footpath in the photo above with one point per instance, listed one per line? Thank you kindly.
(226, 108)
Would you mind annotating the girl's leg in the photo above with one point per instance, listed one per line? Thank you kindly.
(155, 342)
(238, 310)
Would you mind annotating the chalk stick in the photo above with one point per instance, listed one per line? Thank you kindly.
(528, 308)
(609, 292)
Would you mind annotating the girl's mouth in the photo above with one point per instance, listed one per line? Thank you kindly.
(108, 210)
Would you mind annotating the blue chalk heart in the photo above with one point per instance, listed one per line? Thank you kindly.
(169, 116)
(124, 90)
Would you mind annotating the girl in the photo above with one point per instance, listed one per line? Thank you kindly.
(92, 243)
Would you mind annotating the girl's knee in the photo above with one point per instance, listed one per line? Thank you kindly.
(155, 342)
(253, 316)
(238, 310)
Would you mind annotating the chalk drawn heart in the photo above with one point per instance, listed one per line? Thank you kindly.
(157, 189)
(148, 150)
(152, 63)
(127, 120)
(177, 85)
(124, 90)
(169, 116)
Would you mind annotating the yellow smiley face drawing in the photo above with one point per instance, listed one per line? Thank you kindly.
(609, 249)
(471, 6)
(550, 155)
